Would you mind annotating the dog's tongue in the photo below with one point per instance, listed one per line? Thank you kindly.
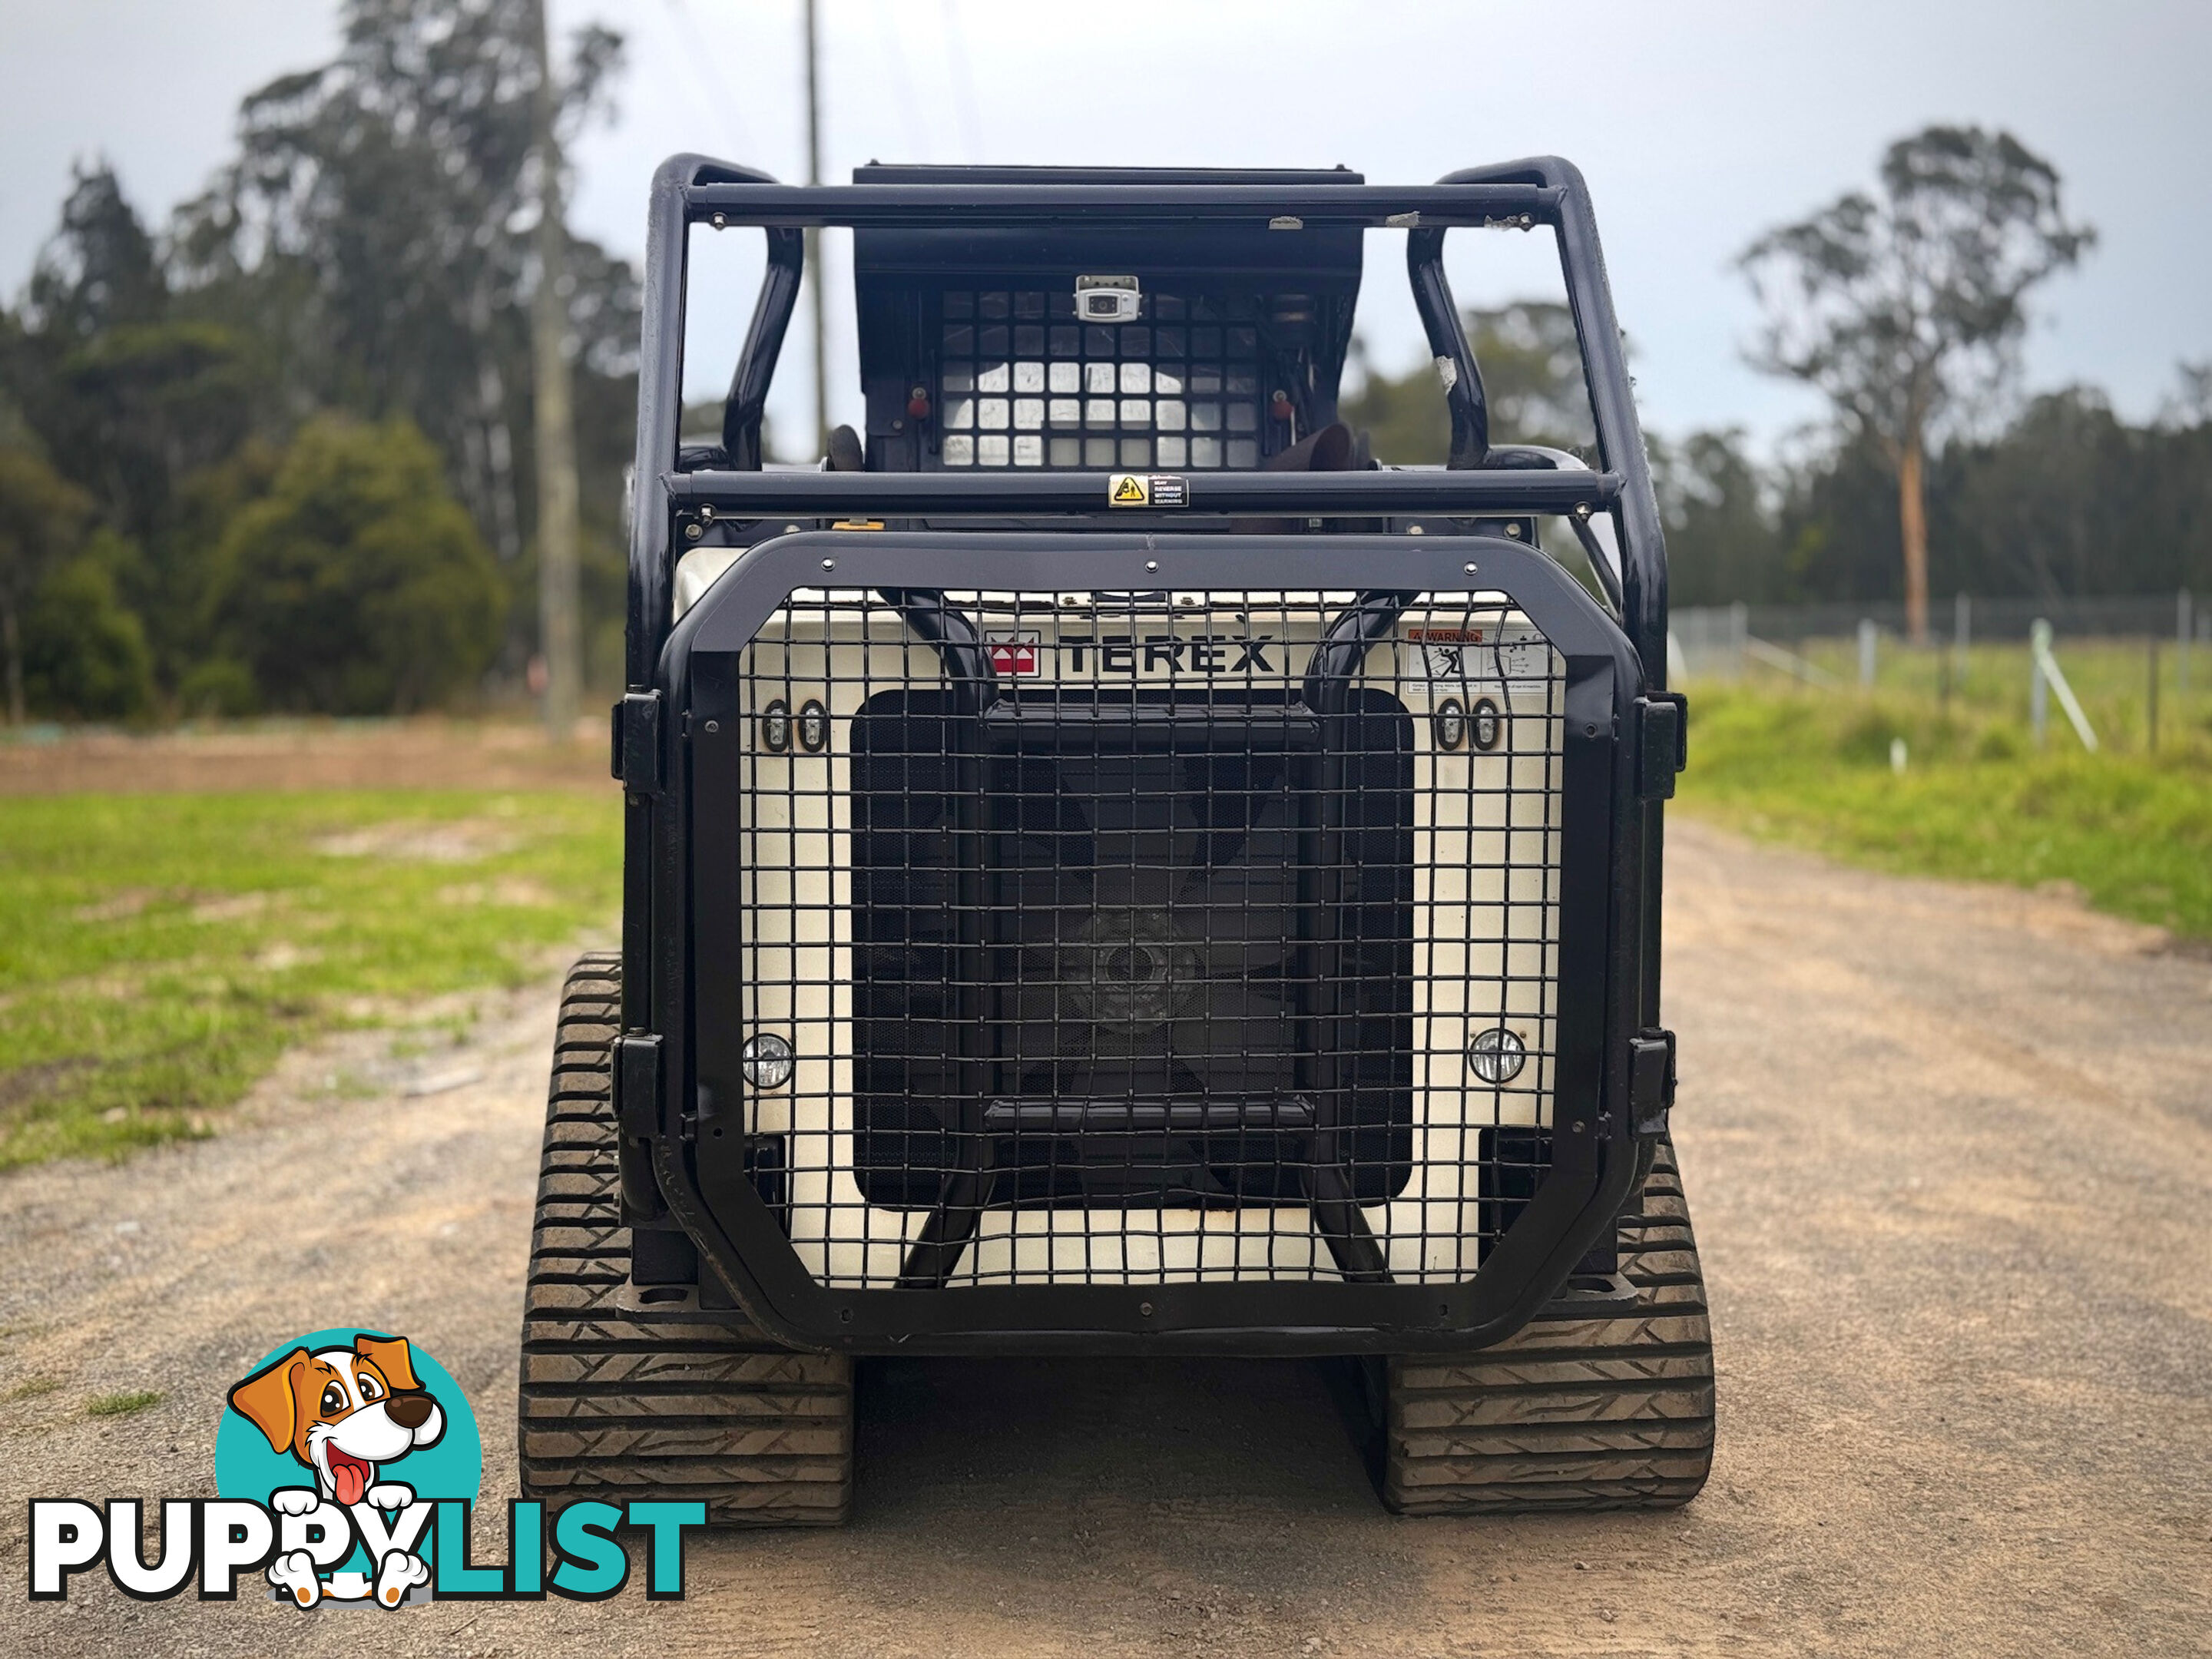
(349, 1475)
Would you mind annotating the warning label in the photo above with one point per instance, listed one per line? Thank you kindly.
(1511, 655)
(1148, 489)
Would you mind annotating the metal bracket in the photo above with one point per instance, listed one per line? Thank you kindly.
(1662, 742)
(1650, 1079)
(637, 1083)
(637, 743)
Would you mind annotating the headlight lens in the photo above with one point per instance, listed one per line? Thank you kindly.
(768, 1060)
(1497, 1055)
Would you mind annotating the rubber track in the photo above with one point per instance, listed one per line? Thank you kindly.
(619, 1406)
(1597, 1413)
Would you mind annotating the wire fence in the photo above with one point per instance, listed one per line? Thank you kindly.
(2140, 663)
(1716, 641)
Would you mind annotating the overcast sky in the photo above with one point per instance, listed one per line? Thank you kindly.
(1699, 123)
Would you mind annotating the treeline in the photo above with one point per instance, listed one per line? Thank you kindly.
(2066, 499)
(276, 455)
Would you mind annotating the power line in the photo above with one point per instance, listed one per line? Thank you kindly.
(724, 112)
(964, 82)
(893, 42)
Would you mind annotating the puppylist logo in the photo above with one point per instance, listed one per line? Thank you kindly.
(348, 1464)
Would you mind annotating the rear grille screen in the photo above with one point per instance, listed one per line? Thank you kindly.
(1158, 878)
(1021, 383)
(1143, 937)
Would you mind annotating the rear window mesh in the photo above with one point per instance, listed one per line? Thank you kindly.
(1021, 382)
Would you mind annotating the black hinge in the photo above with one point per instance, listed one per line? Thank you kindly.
(1650, 1079)
(1662, 744)
(637, 742)
(637, 1083)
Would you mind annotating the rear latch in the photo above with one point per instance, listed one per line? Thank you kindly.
(637, 742)
(1650, 1079)
(1662, 742)
(637, 1083)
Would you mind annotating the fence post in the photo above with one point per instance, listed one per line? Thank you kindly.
(1739, 631)
(2154, 693)
(1962, 629)
(1866, 651)
(2183, 628)
(2038, 689)
(2051, 677)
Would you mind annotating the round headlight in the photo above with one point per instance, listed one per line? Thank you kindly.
(768, 1060)
(1497, 1055)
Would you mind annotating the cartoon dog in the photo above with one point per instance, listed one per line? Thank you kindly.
(344, 1412)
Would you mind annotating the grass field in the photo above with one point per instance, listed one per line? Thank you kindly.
(1989, 690)
(2130, 827)
(159, 952)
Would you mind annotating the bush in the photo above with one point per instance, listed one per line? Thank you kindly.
(85, 655)
(220, 688)
(357, 585)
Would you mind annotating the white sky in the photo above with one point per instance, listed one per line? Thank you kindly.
(1699, 123)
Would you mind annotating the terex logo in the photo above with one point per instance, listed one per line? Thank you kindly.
(1170, 653)
(1014, 652)
(1021, 653)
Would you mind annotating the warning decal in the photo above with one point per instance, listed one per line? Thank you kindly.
(1515, 654)
(1127, 490)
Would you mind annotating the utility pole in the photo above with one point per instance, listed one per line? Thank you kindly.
(814, 242)
(560, 632)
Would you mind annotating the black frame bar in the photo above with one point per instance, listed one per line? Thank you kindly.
(697, 921)
(1624, 841)
(690, 190)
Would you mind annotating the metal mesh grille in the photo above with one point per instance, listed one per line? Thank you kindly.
(1136, 939)
(1021, 382)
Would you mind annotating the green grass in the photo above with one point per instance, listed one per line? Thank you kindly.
(121, 1405)
(159, 952)
(2131, 829)
(2111, 677)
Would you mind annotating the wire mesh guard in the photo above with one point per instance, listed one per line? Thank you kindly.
(1021, 383)
(1132, 939)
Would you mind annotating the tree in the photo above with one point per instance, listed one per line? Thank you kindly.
(380, 223)
(1532, 376)
(1720, 540)
(84, 651)
(42, 521)
(357, 585)
(1902, 310)
(130, 395)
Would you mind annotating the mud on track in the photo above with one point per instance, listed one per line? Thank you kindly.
(1949, 1152)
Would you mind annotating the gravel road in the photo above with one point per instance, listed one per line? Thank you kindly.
(1949, 1152)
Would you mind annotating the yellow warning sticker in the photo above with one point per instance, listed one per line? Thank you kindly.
(1127, 490)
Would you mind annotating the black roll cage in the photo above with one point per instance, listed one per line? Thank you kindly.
(663, 959)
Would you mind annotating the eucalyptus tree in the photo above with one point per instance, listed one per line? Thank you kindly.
(1907, 308)
(381, 216)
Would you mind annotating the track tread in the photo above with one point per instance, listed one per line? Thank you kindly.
(615, 1402)
(1605, 1412)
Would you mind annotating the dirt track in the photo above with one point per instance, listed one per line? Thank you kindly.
(1949, 1152)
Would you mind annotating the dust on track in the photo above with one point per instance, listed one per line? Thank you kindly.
(1949, 1154)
